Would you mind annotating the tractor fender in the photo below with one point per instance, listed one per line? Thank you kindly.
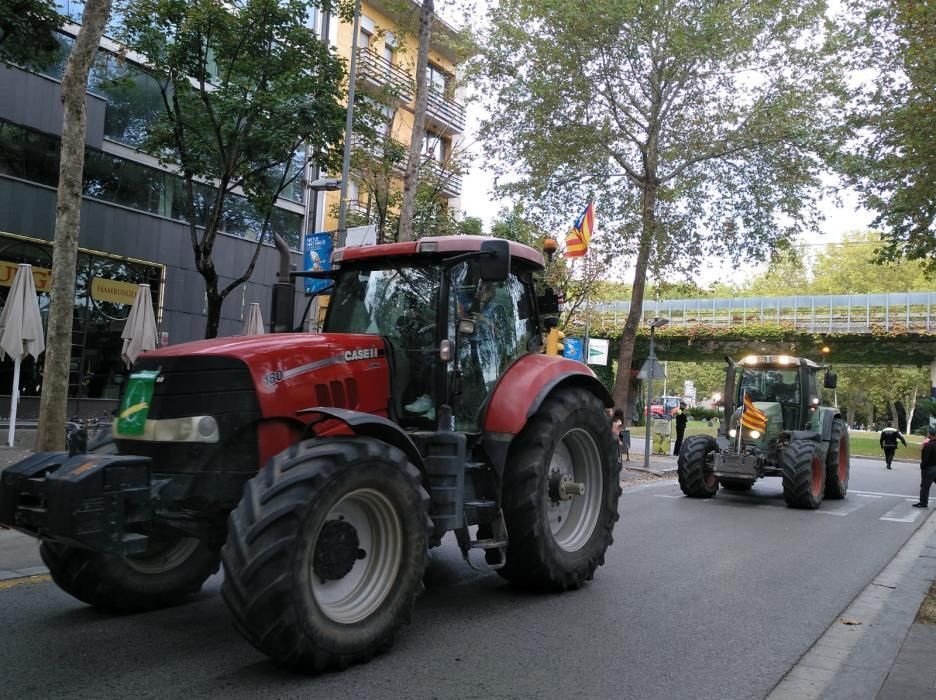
(521, 391)
(369, 425)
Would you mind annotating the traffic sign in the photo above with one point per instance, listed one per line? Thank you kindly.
(597, 351)
(573, 349)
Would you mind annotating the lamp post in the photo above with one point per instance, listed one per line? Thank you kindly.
(349, 123)
(654, 324)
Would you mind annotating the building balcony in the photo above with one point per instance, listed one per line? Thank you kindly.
(445, 115)
(448, 182)
(377, 72)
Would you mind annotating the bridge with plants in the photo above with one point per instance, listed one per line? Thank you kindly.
(872, 329)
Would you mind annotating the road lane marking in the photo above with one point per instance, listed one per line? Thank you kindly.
(878, 493)
(14, 582)
(841, 508)
(666, 495)
(902, 513)
(864, 495)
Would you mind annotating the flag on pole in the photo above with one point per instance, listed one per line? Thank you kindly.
(752, 417)
(579, 235)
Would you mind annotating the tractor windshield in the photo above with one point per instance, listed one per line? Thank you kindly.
(776, 385)
(394, 301)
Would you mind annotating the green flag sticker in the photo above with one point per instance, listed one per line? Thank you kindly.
(136, 401)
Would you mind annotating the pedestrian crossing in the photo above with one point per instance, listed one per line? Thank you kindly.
(900, 512)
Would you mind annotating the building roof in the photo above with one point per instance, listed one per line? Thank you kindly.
(439, 25)
(432, 245)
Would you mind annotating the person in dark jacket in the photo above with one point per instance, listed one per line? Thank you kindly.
(927, 468)
(889, 437)
(681, 419)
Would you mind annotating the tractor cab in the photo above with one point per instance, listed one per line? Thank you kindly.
(453, 314)
(783, 387)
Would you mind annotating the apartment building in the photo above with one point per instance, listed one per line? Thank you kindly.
(385, 70)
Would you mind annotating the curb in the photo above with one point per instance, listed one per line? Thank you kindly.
(853, 660)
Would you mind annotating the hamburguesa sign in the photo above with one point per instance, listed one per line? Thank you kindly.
(113, 291)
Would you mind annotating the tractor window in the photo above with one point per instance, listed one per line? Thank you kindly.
(769, 385)
(503, 331)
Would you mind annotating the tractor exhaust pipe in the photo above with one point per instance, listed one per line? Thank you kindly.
(282, 309)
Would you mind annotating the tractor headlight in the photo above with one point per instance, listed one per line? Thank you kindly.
(732, 433)
(754, 434)
(187, 429)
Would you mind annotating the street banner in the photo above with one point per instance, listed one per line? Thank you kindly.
(597, 351)
(573, 350)
(316, 255)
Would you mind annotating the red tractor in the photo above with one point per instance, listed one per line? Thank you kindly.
(319, 469)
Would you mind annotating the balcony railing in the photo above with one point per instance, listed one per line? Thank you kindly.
(377, 71)
(450, 183)
(445, 114)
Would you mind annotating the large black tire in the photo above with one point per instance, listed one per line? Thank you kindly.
(170, 571)
(838, 461)
(736, 484)
(694, 467)
(556, 543)
(167, 574)
(804, 475)
(313, 607)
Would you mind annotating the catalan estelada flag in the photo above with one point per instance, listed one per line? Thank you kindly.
(579, 235)
(752, 417)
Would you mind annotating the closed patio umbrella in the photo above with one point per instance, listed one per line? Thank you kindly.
(253, 322)
(139, 333)
(20, 331)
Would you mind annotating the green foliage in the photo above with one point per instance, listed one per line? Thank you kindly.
(894, 164)
(27, 32)
(244, 87)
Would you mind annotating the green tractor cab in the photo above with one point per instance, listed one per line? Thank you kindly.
(777, 426)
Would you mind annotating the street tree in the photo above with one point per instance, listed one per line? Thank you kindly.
(893, 165)
(245, 87)
(700, 127)
(27, 32)
(53, 402)
(411, 173)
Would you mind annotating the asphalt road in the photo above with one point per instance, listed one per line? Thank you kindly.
(698, 599)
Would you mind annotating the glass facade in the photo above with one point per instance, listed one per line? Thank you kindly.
(104, 290)
(31, 155)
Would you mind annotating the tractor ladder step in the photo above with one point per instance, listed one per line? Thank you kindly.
(497, 542)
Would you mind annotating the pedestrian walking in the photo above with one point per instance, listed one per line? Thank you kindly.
(927, 468)
(682, 417)
(617, 430)
(889, 437)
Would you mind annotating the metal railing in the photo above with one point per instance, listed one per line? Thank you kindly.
(449, 182)
(378, 71)
(910, 312)
(445, 114)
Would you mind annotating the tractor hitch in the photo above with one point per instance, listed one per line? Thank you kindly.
(89, 500)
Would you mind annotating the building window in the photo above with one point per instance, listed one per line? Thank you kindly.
(33, 156)
(439, 81)
(434, 146)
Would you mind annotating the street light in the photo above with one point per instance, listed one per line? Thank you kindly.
(654, 324)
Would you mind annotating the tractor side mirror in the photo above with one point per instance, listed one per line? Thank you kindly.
(549, 302)
(550, 322)
(830, 381)
(494, 262)
(467, 326)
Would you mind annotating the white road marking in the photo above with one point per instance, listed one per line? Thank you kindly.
(902, 513)
(841, 507)
(864, 495)
(666, 495)
(878, 493)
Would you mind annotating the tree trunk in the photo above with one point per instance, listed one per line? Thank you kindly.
(54, 400)
(895, 417)
(410, 176)
(622, 382)
(911, 407)
(850, 415)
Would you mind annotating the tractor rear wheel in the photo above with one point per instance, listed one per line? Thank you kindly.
(695, 469)
(326, 552)
(168, 572)
(838, 461)
(560, 494)
(736, 484)
(804, 475)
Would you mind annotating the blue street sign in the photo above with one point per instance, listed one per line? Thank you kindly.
(573, 349)
(317, 252)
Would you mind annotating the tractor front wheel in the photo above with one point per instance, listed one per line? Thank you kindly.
(326, 552)
(804, 475)
(560, 494)
(695, 469)
(838, 461)
(171, 570)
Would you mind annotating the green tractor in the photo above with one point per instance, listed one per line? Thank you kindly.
(777, 427)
